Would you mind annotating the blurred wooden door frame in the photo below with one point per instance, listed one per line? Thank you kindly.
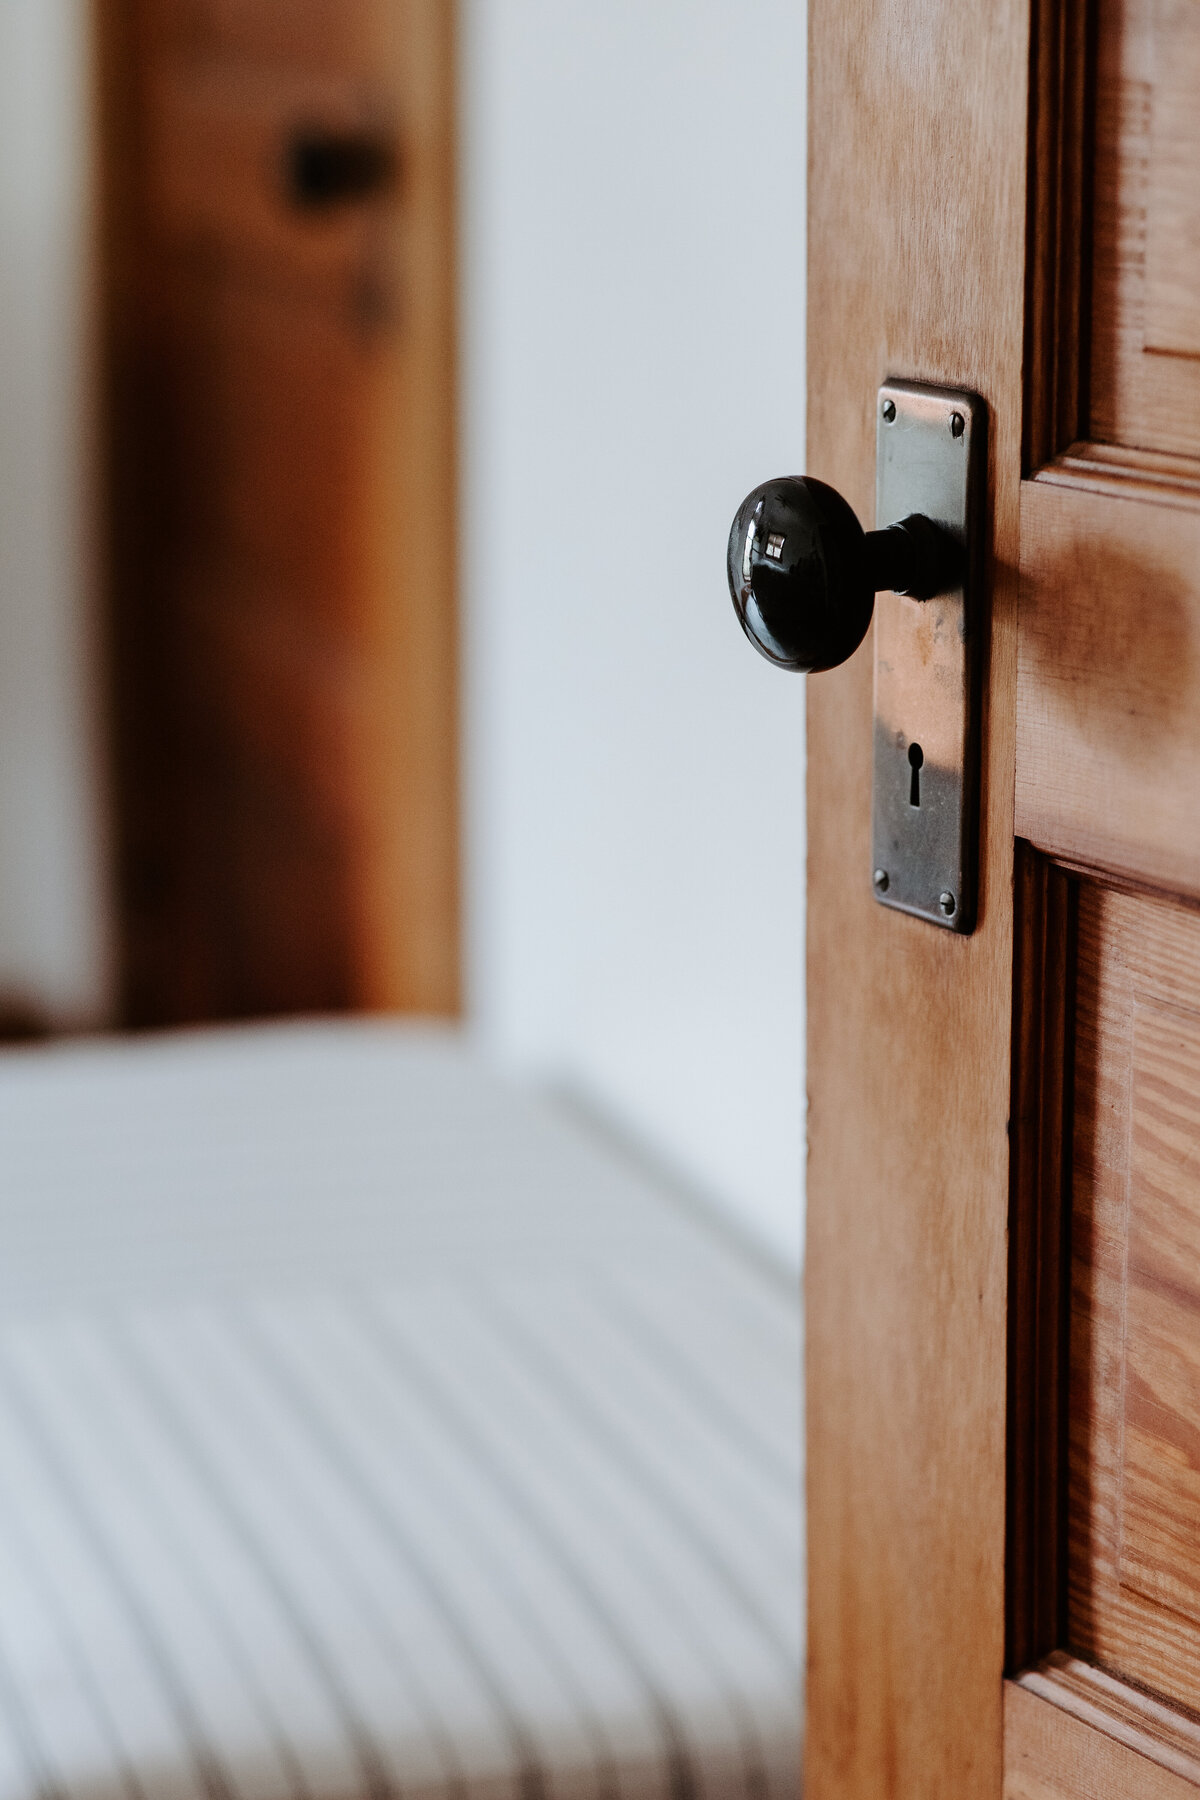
(279, 448)
(1002, 1288)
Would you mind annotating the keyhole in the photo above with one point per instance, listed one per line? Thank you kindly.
(916, 756)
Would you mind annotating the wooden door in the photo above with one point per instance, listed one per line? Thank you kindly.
(1003, 1274)
(279, 266)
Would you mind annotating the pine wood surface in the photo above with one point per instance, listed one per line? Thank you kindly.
(917, 231)
(917, 209)
(1066, 1740)
(1058, 249)
(215, 127)
(1108, 705)
(1107, 758)
(1133, 1595)
(1104, 1374)
(1106, 777)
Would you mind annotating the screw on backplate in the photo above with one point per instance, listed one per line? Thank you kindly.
(882, 882)
(888, 409)
(948, 904)
(957, 424)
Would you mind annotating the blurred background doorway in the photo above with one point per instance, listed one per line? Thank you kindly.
(279, 406)
(292, 717)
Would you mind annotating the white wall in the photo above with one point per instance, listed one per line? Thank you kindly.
(634, 313)
(53, 937)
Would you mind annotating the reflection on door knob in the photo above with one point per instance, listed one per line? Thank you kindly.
(804, 574)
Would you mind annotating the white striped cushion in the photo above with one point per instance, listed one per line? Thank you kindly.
(368, 1428)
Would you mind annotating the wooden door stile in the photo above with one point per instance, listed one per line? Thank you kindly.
(915, 270)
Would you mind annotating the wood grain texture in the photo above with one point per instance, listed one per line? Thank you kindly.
(1146, 245)
(1173, 190)
(1134, 1718)
(1125, 473)
(281, 491)
(1107, 1145)
(1133, 1594)
(1108, 687)
(917, 210)
(1071, 1735)
(1107, 770)
(1160, 1437)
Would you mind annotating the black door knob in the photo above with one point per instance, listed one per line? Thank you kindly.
(804, 574)
(328, 168)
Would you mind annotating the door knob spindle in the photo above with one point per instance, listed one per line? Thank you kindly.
(803, 573)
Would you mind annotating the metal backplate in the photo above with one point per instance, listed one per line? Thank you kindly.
(929, 459)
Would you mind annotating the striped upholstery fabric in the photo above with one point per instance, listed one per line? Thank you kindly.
(368, 1429)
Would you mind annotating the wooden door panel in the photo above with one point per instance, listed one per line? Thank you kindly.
(1065, 1740)
(1172, 303)
(1159, 1472)
(282, 381)
(1105, 1512)
(1108, 691)
(1104, 1551)
(1133, 1561)
(1145, 311)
